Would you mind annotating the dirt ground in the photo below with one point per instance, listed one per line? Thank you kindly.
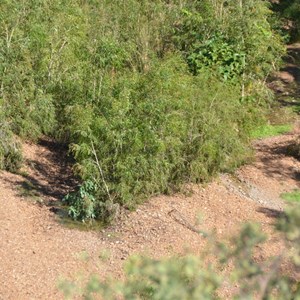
(36, 250)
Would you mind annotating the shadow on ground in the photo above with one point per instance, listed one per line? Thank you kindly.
(271, 213)
(49, 176)
(271, 162)
(286, 83)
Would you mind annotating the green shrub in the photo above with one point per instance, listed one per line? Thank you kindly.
(154, 132)
(148, 94)
(84, 206)
(28, 108)
(289, 14)
(170, 279)
(82, 202)
(234, 37)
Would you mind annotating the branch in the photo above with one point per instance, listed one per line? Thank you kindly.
(101, 172)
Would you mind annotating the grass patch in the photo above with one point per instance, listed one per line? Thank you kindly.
(270, 130)
(293, 196)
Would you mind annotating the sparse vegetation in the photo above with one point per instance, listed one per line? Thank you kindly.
(190, 278)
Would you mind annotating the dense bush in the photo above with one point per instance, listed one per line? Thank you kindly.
(234, 37)
(148, 94)
(28, 108)
(156, 131)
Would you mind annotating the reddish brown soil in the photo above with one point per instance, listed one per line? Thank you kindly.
(36, 250)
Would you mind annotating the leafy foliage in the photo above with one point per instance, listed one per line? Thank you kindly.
(235, 37)
(82, 202)
(177, 279)
(84, 206)
(27, 106)
(217, 54)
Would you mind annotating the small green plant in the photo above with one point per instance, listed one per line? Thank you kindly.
(83, 204)
(82, 201)
(270, 130)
